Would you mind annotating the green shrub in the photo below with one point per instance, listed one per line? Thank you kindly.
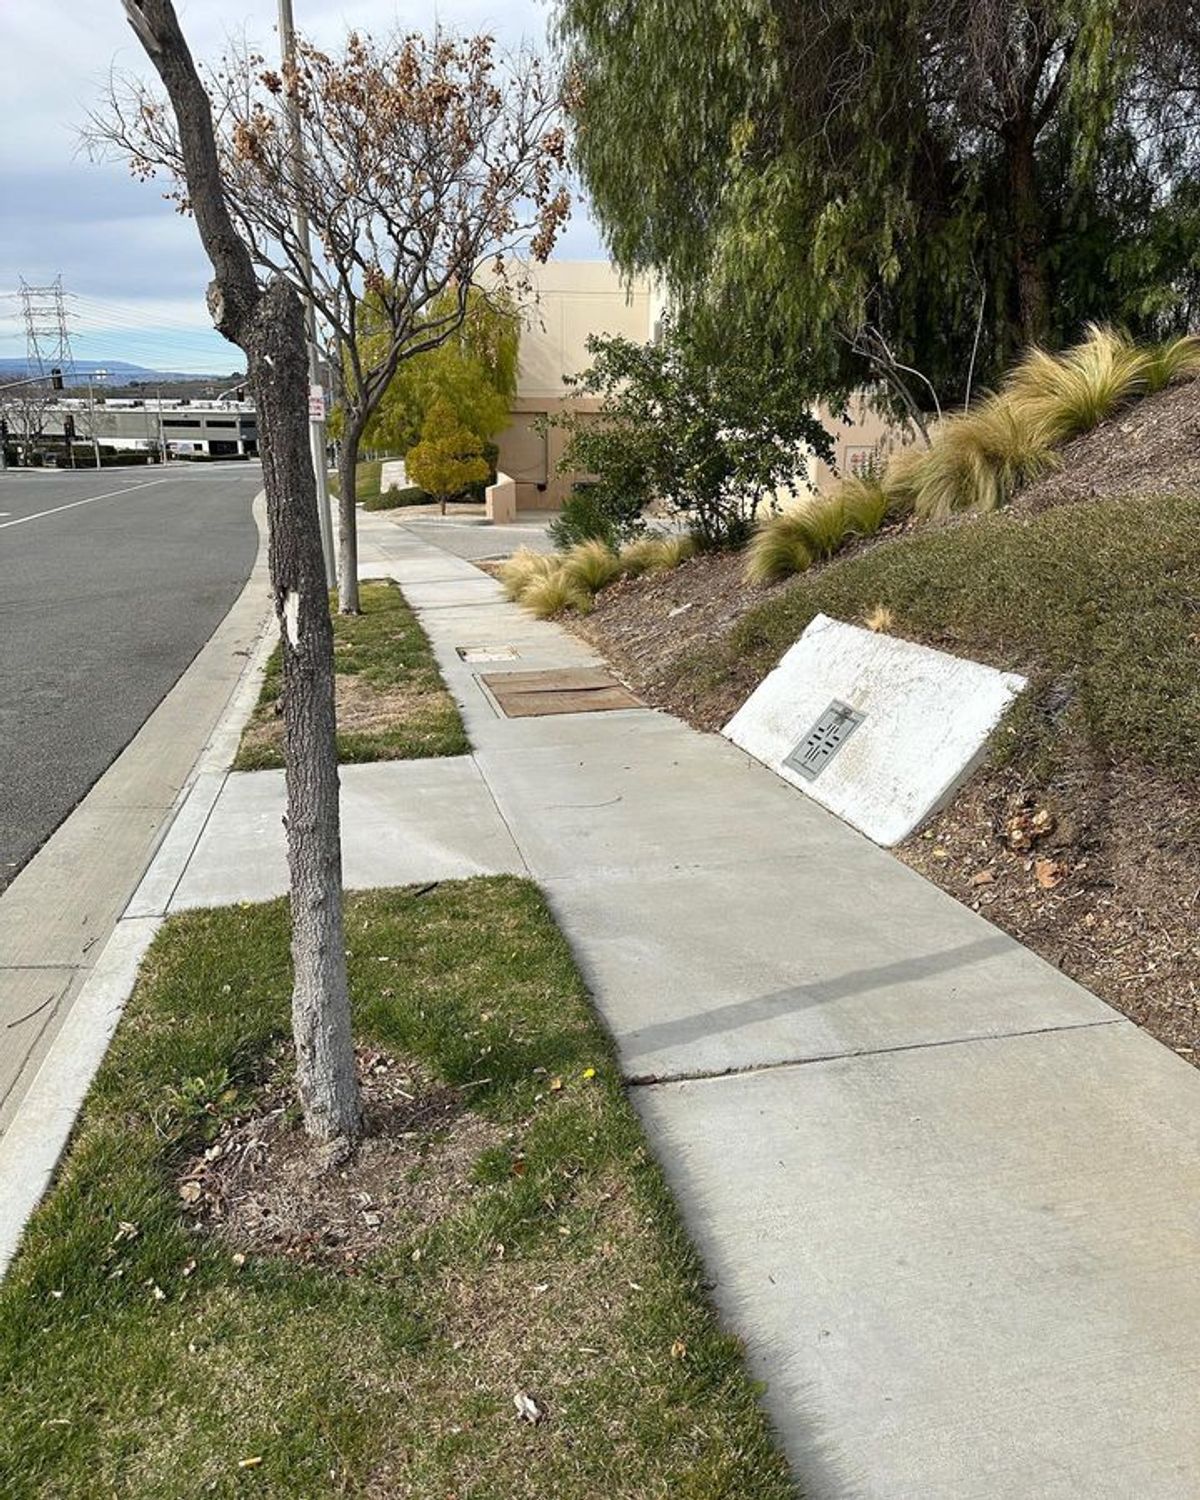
(591, 513)
(393, 498)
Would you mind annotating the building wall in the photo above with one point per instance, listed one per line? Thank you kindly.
(569, 301)
(572, 299)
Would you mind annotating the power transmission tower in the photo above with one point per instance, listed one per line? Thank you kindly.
(47, 337)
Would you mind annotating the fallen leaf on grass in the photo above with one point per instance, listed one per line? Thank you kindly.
(983, 877)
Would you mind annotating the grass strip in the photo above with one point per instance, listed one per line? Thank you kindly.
(392, 702)
(137, 1357)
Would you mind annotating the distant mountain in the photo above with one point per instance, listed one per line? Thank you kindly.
(120, 372)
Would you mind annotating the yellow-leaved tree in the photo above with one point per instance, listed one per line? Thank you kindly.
(449, 458)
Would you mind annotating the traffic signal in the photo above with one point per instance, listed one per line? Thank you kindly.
(241, 393)
(69, 428)
(56, 379)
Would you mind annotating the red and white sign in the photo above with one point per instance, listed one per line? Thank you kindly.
(316, 403)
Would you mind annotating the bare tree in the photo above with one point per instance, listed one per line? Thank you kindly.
(267, 323)
(26, 410)
(421, 162)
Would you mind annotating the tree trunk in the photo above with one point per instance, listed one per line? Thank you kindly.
(325, 1066)
(1028, 264)
(348, 516)
(269, 326)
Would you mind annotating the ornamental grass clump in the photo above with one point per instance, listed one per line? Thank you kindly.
(591, 566)
(552, 593)
(523, 568)
(980, 457)
(1066, 394)
(673, 550)
(1177, 359)
(656, 554)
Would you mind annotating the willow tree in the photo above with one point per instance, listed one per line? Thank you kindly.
(423, 164)
(267, 323)
(944, 180)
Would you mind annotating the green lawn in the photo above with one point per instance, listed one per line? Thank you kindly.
(366, 480)
(369, 493)
(1098, 603)
(139, 1358)
(392, 703)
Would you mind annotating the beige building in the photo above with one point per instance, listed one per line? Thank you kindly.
(569, 300)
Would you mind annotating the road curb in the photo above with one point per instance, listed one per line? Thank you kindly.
(44, 1116)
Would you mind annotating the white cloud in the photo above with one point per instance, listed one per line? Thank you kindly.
(113, 238)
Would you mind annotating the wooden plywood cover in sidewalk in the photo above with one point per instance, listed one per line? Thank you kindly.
(579, 690)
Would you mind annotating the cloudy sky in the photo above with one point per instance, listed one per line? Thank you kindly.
(133, 269)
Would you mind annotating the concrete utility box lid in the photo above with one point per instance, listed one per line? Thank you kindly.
(880, 731)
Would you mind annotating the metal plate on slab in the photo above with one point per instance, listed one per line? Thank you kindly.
(487, 653)
(587, 690)
(823, 741)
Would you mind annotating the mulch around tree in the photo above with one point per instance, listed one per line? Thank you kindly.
(260, 1187)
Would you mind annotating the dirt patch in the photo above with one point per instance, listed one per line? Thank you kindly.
(361, 709)
(1099, 873)
(1152, 447)
(262, 1186)
(644, 625)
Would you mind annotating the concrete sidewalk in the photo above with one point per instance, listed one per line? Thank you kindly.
(948, 1197)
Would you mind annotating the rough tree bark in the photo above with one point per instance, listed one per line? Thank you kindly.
(268, 325)
(1027, 231)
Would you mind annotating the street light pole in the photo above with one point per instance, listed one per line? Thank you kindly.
(92, 415)
(316, 411)
(163, 456)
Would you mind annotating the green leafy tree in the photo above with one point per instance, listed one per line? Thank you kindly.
(914, 183)
(709, 432)
(475, 370)
(449, 458)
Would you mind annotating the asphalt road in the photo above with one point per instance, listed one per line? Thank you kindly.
(110, 582)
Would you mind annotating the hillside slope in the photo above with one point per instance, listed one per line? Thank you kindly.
(1150, 448)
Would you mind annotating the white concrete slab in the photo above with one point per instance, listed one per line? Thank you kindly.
(402, 822)
(925, 722)
(964, 1272)
(393, 474)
